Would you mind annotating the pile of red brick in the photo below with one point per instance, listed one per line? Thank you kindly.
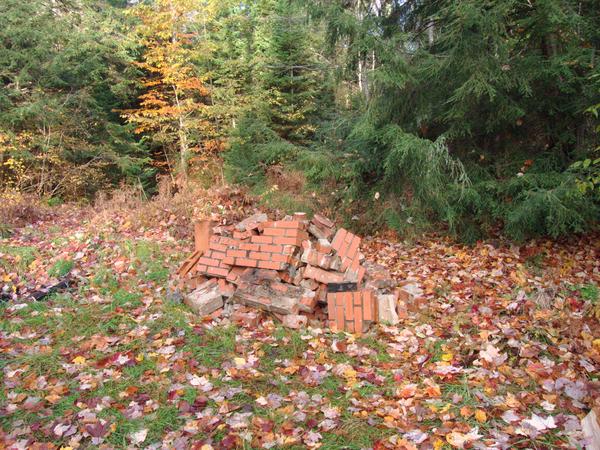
(296, 269)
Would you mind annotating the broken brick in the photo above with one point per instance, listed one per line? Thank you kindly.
(322, 276)
(205, 299)
(294, 321)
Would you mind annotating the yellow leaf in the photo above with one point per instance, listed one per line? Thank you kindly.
(596, 343)
(447, 357)
(79, 360)
(139, 357)
(438, 444)
(239, 361)
(480, 415)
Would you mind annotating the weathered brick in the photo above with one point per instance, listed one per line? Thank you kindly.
(294, 321)
(242, 234)
(225, 289)
(229, 260)
(322, 276)
(217, 271)
(324, 246)
(338, 239)
(205, 299)
(323, 221)
(248, 319)
(252, 222)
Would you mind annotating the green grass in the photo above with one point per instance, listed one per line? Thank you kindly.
(61, 268)
(23, 257)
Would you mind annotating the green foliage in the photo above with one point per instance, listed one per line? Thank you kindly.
(255, 147)
(61, 268)
(473, 113)
(63, 75)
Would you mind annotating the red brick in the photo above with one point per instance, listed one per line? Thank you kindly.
(288, 241)
(235, 273)
(358, 321)
(246, 262)
(271, 248)
(331, 306)
(368, 305)
(262, 256)
(280, 258)
(252, 247)
(357, 298)
(237, 253)
(229, 260)
(296, 233)
(261, 239)
(284, 224)
(348, 306)
(218, 255)
(218, 247)
(201, 268)
(288, 249)
(208, 261)
(353, 248)
(275, 232)
(322, 276)
(338, 238)
(242, 234)
(274, 265)
(217, 271)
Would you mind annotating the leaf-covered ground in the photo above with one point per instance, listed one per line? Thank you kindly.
(502, 351)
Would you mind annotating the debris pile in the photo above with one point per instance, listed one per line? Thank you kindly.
(296, 269)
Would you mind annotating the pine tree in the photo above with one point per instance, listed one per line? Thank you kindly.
(292, 78)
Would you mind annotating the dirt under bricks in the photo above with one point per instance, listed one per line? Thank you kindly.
(297, 270)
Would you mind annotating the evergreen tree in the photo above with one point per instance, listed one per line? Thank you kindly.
(61, 76)
(292, 77)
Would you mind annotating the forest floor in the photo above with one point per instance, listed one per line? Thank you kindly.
(503, 351)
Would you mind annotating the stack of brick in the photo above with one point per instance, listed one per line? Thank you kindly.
(295, 268)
